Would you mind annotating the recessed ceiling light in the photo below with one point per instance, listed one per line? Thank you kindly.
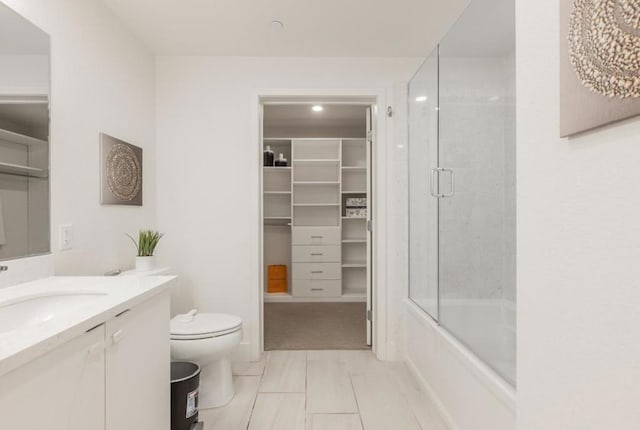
(277, 25)
(421, 98)
(317, 108)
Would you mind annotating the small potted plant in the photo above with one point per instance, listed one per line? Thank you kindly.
(146, 245)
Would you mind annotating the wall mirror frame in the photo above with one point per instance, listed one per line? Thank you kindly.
(25, 58)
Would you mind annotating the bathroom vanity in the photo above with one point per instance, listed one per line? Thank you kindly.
(85, 353)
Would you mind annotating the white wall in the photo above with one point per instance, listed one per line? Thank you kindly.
(102, 81)
(24, 74)
(578, 251)
(208, 191)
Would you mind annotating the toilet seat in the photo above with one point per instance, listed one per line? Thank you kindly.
(193, 325)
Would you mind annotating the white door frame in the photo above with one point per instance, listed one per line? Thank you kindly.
(377, 97)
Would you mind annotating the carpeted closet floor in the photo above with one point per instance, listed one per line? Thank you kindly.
(315, 326)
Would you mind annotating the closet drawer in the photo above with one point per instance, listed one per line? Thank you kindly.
(317, 288)
(316, 254)
(316, 236)
(317, 271)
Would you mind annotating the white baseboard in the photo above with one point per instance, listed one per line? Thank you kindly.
(431, 394)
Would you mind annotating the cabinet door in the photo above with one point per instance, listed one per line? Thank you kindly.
(62, 390)
(138, 368)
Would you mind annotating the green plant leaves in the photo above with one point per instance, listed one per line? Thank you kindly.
(147, 242)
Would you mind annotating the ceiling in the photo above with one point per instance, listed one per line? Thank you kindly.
(19, 37)
(485, 29)
(289, 115)
(328, 28)
(334, 120)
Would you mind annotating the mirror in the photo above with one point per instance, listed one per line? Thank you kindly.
(24, 137)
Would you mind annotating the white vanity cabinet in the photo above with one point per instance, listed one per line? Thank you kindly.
(138, 367)
(115, 376)
(61, 390)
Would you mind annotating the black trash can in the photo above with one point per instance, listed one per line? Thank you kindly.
(185, 380)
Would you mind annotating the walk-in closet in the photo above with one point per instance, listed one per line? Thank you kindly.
(316, 178)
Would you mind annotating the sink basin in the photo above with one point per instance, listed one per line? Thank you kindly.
(36, 309)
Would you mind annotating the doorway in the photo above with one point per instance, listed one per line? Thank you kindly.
(317, 239)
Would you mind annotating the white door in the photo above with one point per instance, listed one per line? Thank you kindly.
(370, 141)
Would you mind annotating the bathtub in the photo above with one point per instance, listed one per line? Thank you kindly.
(469, 394)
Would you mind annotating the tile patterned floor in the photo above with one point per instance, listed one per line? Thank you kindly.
(324, 390)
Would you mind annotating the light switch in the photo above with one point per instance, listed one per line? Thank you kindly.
(66, 236)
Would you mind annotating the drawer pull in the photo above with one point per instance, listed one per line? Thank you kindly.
(317, 237)
(317, 289)
(117, 336)
(317, 253)
(317, 271)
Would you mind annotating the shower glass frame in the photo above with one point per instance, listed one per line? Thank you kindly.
(461, 105)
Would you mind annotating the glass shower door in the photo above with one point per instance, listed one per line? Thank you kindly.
(477, 223)
(423, 207)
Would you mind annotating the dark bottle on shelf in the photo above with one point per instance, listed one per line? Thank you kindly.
(268, 157)
(281, 161)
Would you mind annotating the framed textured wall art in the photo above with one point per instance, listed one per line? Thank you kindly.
(120, 172)
(599, 63)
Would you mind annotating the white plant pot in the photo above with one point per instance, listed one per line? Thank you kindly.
(145, 264)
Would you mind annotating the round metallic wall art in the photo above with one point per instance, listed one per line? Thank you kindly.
(123, 172)
(604, 46)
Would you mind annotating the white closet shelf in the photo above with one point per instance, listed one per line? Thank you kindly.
(316, 204)
(354, 240)
(278, 221)
(277, 192)
(20, 170)
(277, 169)
(354, 192)
(354, 169)
(354, 217)
(21, 139)
(312, 183)
(278, 297)
(355, 292)
(316, 161)
(354, 264)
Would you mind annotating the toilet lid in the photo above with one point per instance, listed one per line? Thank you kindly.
(196, 324)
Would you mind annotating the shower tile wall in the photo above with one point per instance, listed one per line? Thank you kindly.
(477, 226)
(473, 116)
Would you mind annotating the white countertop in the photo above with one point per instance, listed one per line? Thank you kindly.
(109, 296)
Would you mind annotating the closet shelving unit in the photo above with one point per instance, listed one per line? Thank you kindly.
(354, 229)
(26, 142)
(305, 210)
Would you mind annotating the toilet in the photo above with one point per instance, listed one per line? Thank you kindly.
(208, 339)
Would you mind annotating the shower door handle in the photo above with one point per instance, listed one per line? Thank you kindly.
(452, 188)
(436, 171)
(432, 183)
